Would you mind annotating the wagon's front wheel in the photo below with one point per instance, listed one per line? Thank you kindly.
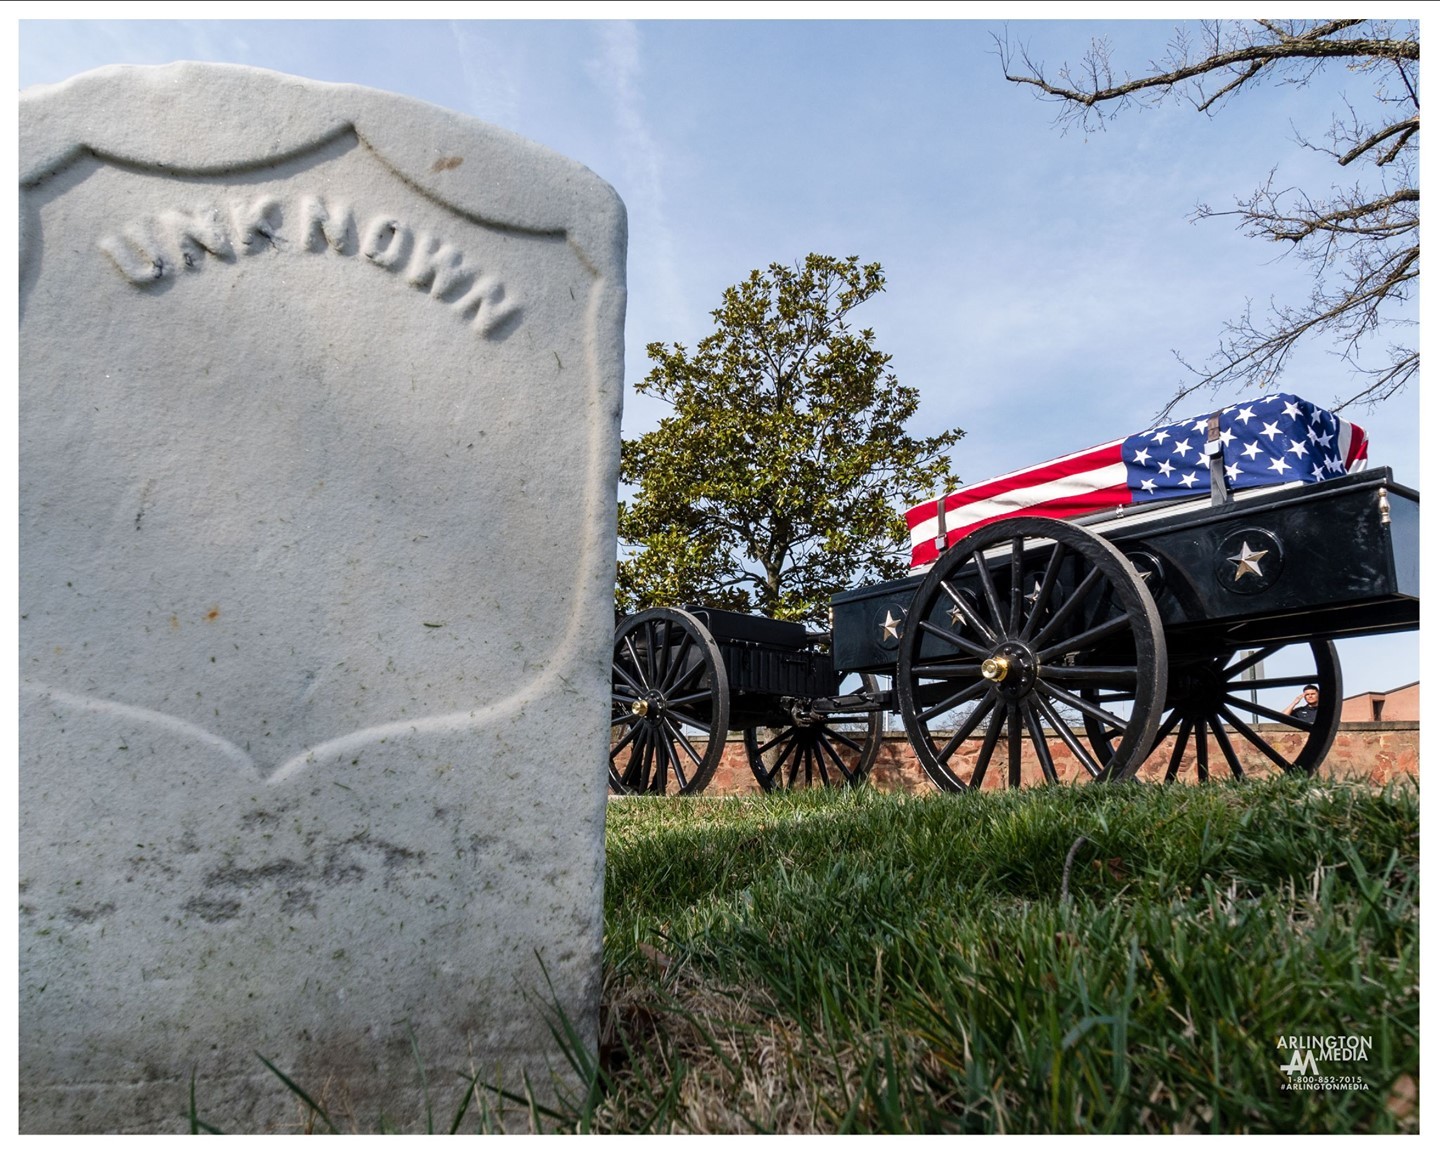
(670, 704)
(1012, 634)
(833, 748)
(1215, 712)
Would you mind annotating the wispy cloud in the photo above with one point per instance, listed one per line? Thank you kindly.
(490, 88)
(618, 73)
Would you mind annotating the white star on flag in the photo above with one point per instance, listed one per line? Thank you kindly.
(1189, 479)
(1245, 415)
(1142, 456)
(1180, 448)
(1166, 467)
(1270, 431)
(1298, 447)
(1292, 409)
(1279, 465)
(1252, 451)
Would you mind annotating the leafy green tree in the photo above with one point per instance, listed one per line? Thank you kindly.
(781, 475)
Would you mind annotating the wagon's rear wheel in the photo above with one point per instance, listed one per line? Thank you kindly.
(670, 704)
(832, 748)
(1014, 647)
(1214, 712)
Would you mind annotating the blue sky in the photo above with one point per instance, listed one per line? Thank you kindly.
(1039, 281)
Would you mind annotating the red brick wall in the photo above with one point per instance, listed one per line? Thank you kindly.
(1374, 751)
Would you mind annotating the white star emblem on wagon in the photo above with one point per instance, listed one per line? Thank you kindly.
(1248, 562)
(890, 626)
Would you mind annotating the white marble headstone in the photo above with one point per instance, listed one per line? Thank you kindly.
(319, 422)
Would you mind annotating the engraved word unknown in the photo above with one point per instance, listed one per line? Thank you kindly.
(173, 242)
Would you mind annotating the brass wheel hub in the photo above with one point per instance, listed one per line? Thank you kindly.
(994, 668)
(1011, 668)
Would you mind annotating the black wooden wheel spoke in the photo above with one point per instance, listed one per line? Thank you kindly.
(949, 670)
(791, 747)
(957, 641)
(625, 740)
(1043, 593)
(1080, 704)
(669, 761)
(1092, 767)
(635, 685)
(1073, 603)
(1172, 769)
(833, 736)
(987, 749)
(1259, 709)
(682, 701)
(652, 659)
(802, 759)
(1016, 742)
(1276, 681)
(631, 766)
(1255, 739)
(1202, 751)
(818, 760)
(689, 677)
(837, 759)
(962, 733)
(701, 726)
(1260, 655)
(779, 737)
(678, 736)
(1086, 638)
(973, 691)
(1227, 749)
(987, 590)
(664, 661)
(969, 615)
(1041, 745)
(1082, 673)
(1017, 576)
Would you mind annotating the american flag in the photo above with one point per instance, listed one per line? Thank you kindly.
(1280, 439)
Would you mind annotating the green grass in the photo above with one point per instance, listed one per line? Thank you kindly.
(1070, 959)
(868, 962)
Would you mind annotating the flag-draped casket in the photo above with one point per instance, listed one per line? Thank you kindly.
(1279, 439)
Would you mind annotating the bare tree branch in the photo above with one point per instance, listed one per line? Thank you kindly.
(1362, 244)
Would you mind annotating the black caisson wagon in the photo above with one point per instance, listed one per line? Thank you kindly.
(1108, 632)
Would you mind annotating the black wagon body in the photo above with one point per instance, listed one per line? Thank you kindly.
(1108, 634)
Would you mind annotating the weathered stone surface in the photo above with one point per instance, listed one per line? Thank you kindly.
(319, 416)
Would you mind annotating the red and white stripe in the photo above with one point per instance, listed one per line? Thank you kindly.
(1074, 485)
